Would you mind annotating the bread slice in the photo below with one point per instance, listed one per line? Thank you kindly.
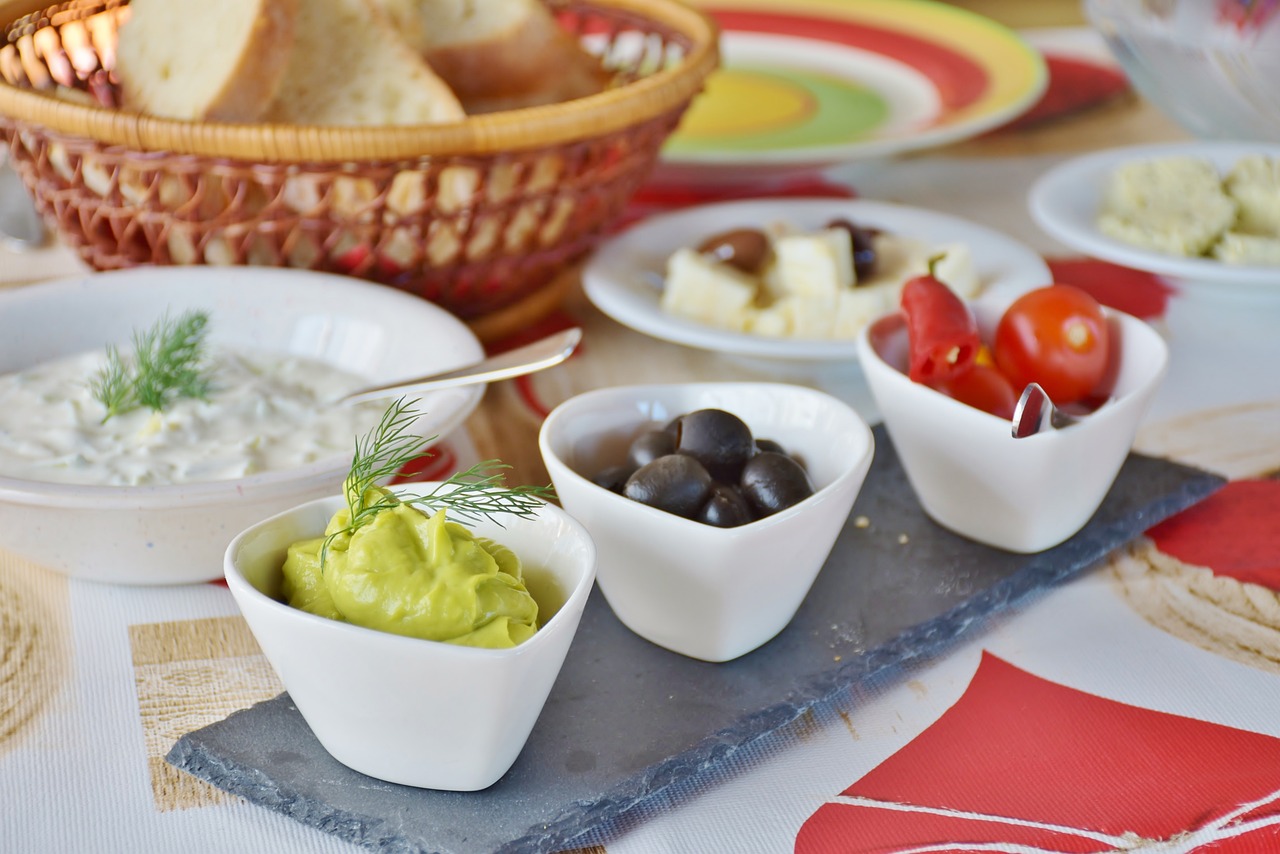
(349, 66)
(498, 54)
(218, 60)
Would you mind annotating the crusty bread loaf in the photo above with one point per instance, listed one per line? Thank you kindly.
(498, 54)
(348, 66)
(204, 59)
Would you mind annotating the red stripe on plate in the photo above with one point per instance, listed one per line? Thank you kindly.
(959, 80)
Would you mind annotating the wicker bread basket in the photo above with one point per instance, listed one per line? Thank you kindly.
(475, 215)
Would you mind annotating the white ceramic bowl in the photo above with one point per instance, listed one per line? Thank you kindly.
(411, 711)
(706, 592)
(170, 534)
(972, 476)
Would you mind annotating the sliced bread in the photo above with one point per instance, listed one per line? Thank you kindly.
(349, 66)
(498, 54)
(204, 60)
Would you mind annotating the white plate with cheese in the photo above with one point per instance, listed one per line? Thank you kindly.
(1068, 201)
(627, 275)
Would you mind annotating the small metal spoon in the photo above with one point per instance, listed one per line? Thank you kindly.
(20, 226)
(1035, 412)
(541, 354)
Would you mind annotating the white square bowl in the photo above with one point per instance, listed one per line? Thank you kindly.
(706, 592)
(409, 711)
(970, 474)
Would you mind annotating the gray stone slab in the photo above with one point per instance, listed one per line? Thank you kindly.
(627, 719)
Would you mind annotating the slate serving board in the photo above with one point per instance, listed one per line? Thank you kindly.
(626, 718)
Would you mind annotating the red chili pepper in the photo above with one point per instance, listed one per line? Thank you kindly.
(941, 333)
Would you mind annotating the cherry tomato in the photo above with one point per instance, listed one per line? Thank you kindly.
(941, 334)
(1056, 336)
(982, 387)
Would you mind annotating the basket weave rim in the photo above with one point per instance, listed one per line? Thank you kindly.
(533, 127)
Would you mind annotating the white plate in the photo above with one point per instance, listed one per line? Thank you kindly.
(623, 277)
(1065, 202)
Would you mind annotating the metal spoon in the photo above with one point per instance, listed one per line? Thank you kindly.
(1035, 412)
(20, 225)
(543, 353)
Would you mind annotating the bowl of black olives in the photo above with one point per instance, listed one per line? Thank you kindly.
(713, 506)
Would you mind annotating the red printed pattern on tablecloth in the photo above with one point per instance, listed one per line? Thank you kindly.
(1027, 766)
(1235, 532)
(437, 464)
(655, 199)
(1143, 295)
(1074, 85)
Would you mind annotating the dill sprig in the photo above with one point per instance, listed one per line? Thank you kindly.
(168, 364)
(480, 492)
(113, 385)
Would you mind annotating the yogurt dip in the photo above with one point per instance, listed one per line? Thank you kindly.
(265, 412)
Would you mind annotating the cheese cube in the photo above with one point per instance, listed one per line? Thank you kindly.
(814, 264)
(771, 322)
(857, 307)
(701, 289)
(772, 285)
(956, 269)
(800, 316)
(897, 258)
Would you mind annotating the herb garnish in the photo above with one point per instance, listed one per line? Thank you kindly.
(167, 364)
(479, 492)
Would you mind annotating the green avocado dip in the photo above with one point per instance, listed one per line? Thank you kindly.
(413, 574)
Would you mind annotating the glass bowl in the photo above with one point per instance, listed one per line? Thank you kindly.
(1210, 65)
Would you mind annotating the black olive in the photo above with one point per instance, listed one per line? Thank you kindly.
(720, 440)
(769, 445)
(613, 478)
(773, 482)
(864, 248)
(650, 445)
(673, 426)
(726, 508)
(675, 483)
(744, 248)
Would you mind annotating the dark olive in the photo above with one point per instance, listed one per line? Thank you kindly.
(726, 508)
(864, 248)
(613, 478)
(650, 445)
(769, 445)
(720, 440)
(744, 248)
(675, 483)
(773, 482)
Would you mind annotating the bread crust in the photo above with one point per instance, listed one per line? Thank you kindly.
(248, 84)
(527, 69)
(383, 81)
(521, 60)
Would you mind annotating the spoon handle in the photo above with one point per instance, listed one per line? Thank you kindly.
(541, 354)
(20, 225)
(1035, 413)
